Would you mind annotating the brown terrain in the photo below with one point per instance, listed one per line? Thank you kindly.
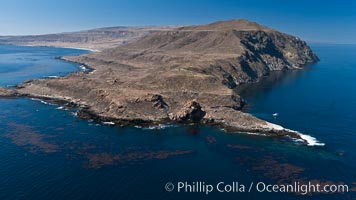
(95, 39)
(182, 75)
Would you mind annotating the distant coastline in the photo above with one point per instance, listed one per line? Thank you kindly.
(64, 46)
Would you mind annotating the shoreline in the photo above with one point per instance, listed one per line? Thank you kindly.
(84, 67)
(79, 48)
(84, 112)
(54, 46)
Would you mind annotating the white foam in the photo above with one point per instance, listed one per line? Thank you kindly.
(44, 102)
(310, 140)
(82, 67)
(47, 103)
(109, 123)
(163, 126)
(253, 133)
(157, 127)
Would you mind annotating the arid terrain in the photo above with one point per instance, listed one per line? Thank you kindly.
(177, 75)
(94, 39)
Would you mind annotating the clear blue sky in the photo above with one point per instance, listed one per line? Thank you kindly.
(312, 20)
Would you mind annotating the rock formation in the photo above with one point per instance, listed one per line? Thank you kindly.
(190, 112)
(7, 92)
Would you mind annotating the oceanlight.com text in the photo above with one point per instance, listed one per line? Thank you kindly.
(237, 187)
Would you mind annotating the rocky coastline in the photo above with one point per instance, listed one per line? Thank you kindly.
(192, 115)
(181, 76)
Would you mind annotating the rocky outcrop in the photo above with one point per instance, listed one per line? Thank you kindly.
(4, 92)
(157, 101)
(273, 50)
(190, 112)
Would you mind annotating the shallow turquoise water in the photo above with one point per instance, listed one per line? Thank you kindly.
(48, 153)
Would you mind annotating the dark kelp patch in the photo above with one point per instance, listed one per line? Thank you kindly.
(25, 136)
(99, 160)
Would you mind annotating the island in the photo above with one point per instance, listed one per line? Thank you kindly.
(183, 74)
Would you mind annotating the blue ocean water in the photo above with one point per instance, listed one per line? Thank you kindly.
(49, 153)
(21, 63)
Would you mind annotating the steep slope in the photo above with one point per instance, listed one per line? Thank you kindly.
(181, 75)
(235, 52)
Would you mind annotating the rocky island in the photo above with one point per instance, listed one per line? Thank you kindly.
(184, 74)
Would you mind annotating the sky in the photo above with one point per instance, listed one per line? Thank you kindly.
(313, 20)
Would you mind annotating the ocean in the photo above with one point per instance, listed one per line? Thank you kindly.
(47, 152)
